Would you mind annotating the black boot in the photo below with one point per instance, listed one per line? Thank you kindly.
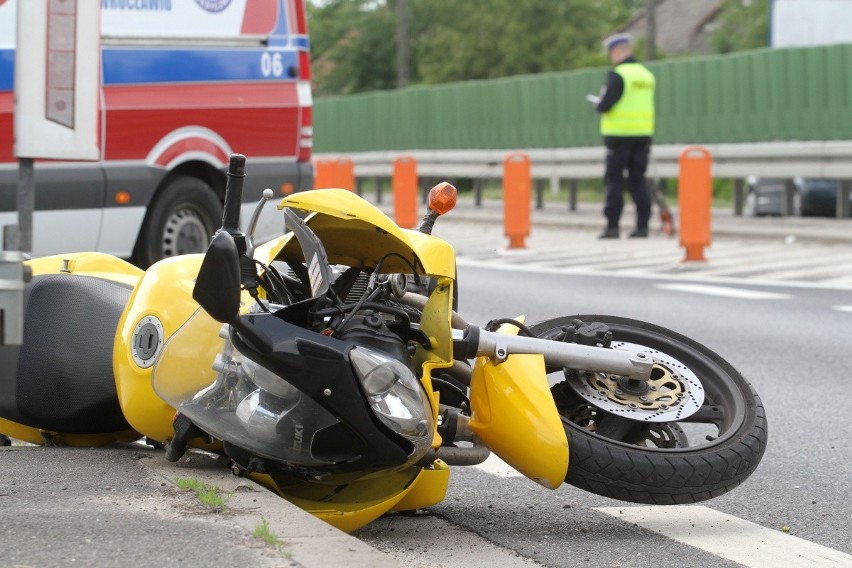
(609, 233)
(639, 233)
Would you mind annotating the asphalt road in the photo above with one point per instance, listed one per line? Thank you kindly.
(791, 343)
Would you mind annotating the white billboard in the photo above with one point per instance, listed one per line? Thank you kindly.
(187, 18)
(7, 24)
(798, 23)
(168, 18)
(57, 80)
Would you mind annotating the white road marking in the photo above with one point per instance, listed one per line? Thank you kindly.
(687, 275)
(496, 466)
(730, 537)
(724, 291)
(842, 308)
(718, 533)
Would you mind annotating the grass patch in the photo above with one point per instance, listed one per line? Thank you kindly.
(264, 533)
(208, 494)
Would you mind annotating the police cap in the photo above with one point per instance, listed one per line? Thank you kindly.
(616, 39)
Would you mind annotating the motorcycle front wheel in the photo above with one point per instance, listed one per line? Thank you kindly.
(628, 441)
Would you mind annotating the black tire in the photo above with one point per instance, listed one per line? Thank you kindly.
(659, 463)
(181, 220)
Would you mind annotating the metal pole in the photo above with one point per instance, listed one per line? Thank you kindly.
(789, 197)
(843, 194)
(13, 274)
(26, 204)
(650, 30)
(477, 191)
(739, 196)
(573, 186)
(539, 194)
(402, 47)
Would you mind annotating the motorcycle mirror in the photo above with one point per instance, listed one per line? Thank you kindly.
(217, 287)
(442, 198)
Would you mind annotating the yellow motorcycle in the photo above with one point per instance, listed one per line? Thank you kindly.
(330, 364)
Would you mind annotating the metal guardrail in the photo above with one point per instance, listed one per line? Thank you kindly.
(820, 159)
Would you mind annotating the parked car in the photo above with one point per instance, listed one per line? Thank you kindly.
(811, 196)
(818, 196)
(766, 197)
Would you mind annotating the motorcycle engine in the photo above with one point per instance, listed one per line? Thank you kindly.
(376, 330)
(384, 325)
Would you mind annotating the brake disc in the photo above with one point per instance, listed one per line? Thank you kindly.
(663, 435)
(672, 393)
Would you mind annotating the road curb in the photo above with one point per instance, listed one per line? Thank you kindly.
(306, 541)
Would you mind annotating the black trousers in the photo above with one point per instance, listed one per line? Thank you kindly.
(631, 155)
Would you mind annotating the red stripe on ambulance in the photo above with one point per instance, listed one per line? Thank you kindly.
(261, 16)
(194, 145)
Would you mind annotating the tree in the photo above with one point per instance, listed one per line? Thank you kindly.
(354, 41)
(744, 24)
(495, 38)
(352, 45)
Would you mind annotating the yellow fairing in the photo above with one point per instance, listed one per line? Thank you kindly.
(428, 489)
(165, 292)
(349, 506)
(95, 264)
(435, 324)
(513, 413)
(356, 233)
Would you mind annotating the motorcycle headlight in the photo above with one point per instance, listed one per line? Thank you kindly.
(396, 397)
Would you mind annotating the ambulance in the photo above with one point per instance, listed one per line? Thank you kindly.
(184, 84)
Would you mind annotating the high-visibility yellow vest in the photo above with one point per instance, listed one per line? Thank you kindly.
(633, 114)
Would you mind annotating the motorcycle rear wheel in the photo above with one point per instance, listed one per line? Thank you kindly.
(661, 462)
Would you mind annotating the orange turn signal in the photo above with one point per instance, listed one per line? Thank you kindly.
(122, 197)
(442, 198)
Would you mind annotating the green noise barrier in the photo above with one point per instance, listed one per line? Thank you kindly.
(755, 96)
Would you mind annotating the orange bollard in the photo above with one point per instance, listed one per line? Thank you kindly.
(695, 198)
(345, 174)
(325, 172)
(404, 185)
(339, 172)
(517, 192)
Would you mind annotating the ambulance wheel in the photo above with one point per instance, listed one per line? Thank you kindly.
(181, 220)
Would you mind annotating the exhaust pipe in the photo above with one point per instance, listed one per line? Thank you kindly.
(454, 455)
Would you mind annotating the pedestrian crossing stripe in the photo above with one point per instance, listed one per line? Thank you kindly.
(718, 533)
(724, 291)
(729, 537)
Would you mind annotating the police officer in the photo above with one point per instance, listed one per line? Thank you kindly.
(626, 105)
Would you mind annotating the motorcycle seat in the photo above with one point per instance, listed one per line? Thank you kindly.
(64, 380)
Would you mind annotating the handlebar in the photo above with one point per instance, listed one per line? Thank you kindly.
(234, 193)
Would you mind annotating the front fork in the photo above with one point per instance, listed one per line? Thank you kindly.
(512, 409)
(475, 341)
